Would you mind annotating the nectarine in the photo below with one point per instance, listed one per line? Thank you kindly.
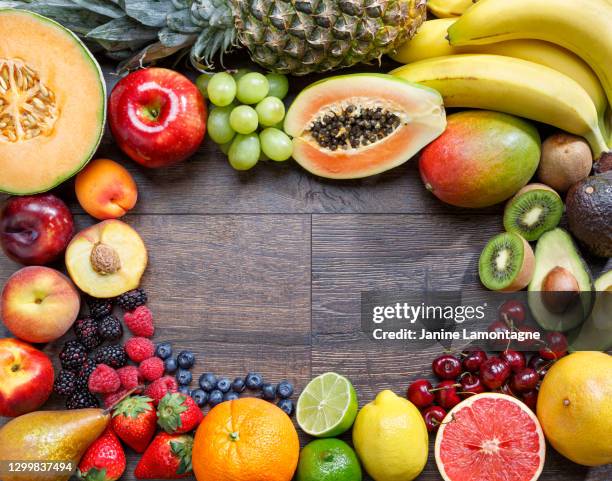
(106, 190)
(39, 304)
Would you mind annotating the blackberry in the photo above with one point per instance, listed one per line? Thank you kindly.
(86, 331)
(99, 308)
(110, 328)
(89, 366)
(130, 300)
(65, 383)
(82, 399)
(73, 355)
(113, 356)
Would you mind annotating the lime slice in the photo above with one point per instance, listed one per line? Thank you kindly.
(328, 406)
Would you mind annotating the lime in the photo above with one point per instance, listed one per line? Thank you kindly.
(328, 406)
(328, 460)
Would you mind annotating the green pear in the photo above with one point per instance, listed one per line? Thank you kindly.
(61, 436)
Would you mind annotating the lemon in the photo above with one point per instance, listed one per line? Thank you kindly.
(574, 407)
(391, 439)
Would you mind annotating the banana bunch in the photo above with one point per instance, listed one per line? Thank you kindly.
(448, 8)
(547, 60)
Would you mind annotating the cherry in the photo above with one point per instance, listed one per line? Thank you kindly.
(446, 367)
(420, 394)
(494, 372)
(499, 327)
(539, 364)
(525, 380)
(506, 389)
(433, 415)
(473, 359)
(470, 385)
(515, 359)
(512, 313)
(446, 394)
(530, 398)
(556, 346)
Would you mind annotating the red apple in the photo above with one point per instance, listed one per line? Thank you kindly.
(27, 378)
(35, 229)
(158, 116)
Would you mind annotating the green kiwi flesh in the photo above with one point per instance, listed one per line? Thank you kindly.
(532, 213)
(501, 261)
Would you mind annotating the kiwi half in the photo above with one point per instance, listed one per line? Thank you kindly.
(506, 263)
(535, 209)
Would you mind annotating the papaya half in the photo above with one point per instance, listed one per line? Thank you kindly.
(52, 103)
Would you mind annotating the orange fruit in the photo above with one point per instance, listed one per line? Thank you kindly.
(245, 440)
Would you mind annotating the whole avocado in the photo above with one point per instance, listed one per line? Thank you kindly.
(589, 210)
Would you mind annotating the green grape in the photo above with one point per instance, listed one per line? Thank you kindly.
(241, 72)
(218, 126)
(243, 119)
(202, 84)
(225, 147)
(279, 85)
(221, 89)
(270, 111)
(244, 151)
(276, 144)
(252, 88)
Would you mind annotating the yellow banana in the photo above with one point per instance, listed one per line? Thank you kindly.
(584, 27)
(430, 41)
(448, 8)
(514, 86)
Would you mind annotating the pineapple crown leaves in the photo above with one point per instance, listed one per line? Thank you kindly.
(181, 448)
(132, 407)
(169, 412)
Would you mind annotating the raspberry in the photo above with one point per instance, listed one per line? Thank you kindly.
(139, 348)
(104, 380)
(140, 321)
(113, 398)
(129, 377)
(159, 388)
(152, 368)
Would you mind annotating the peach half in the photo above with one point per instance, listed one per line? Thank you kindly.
(106, 259)
(105, 189)
(39, 304)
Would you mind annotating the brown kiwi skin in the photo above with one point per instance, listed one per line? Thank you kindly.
(525, 273)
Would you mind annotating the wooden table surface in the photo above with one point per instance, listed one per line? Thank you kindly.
(263, 271)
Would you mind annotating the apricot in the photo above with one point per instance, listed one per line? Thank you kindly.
(106, 190)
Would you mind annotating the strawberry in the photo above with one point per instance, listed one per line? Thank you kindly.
(167, 457)
(104, 460)
(177, 413)
(135, 422)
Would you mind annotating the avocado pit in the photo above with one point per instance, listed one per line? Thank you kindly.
(560, 290)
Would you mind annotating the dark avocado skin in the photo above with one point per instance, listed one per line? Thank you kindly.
(589, 212)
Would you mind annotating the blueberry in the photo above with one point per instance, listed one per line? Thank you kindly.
(185, 359)
(238, 385)
(284, 389)
(215, 397)
(207, 381)
(184, 390)
(269, 392)
(183, 377)
(200, 397)
(253, 381)
(163, 350)
(286, 405)
(170, 365)
(230, 396)
(224, 385)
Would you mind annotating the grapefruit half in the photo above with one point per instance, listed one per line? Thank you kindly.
(492, 437)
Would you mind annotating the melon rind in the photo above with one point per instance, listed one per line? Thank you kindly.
(88, 58)
(422, 104)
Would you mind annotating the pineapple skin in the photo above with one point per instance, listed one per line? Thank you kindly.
(300, 37)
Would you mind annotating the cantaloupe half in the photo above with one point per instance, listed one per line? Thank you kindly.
(357, 125)
(52, 103)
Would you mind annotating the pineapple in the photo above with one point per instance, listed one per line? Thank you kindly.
(286, 36)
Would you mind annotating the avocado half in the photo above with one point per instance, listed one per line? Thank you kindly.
(596, 333)
(557, 249)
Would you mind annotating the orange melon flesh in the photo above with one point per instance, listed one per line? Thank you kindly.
(67, 68)
(420, 108)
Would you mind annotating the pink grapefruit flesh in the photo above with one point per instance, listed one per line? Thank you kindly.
(490, 437)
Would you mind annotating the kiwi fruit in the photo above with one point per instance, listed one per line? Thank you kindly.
(535, 209)
(506, 263)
